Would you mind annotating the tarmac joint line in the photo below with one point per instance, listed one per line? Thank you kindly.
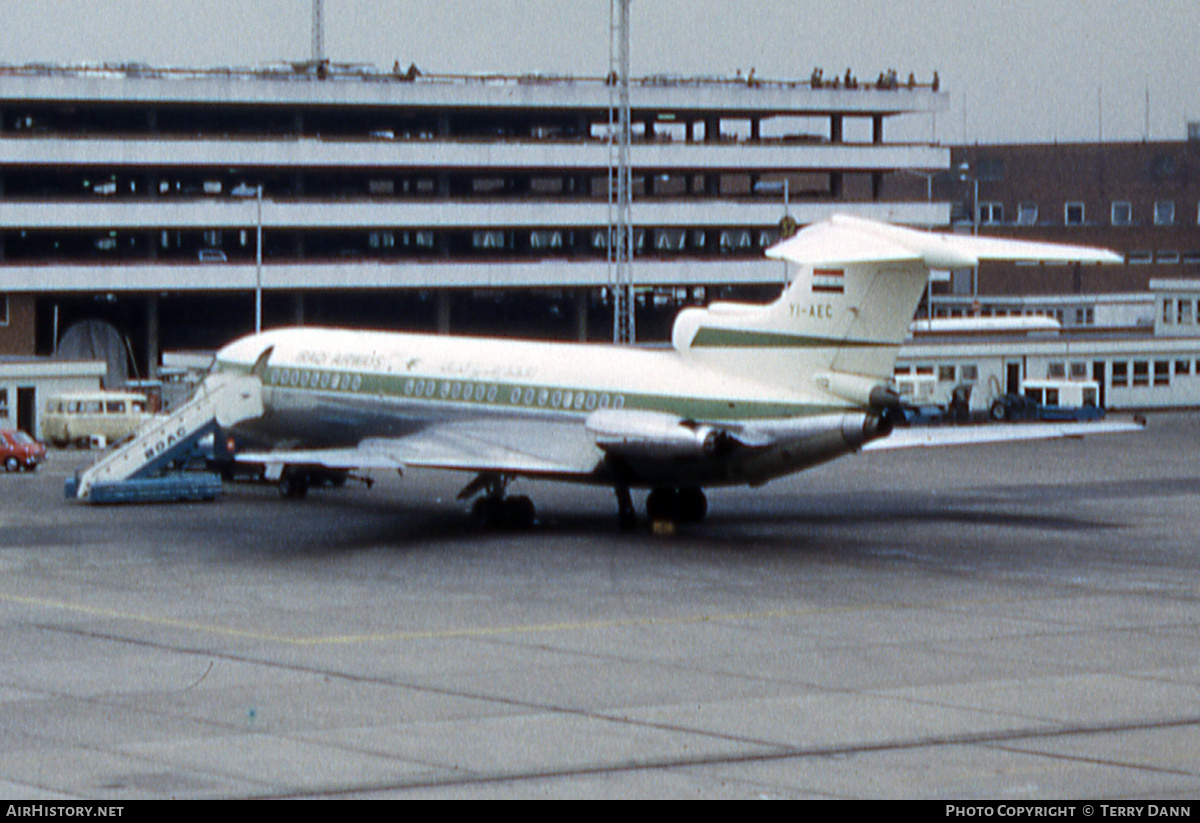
(471, 632)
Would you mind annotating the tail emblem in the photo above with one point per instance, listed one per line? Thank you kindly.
(829, 281)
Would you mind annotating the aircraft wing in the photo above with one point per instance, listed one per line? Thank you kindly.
(918, 437)
(525, 447)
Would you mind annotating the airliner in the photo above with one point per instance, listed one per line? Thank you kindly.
(745, 394)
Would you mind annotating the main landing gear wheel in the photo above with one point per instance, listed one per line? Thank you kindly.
(494, 509)
(661, 504)
(519, 512)
(693, 505)
(504, 512)
(686, 505)
(293, 484)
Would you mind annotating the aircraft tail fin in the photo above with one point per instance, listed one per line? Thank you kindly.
(854, 287)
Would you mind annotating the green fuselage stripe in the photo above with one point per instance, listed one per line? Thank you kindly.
(707, 337)
(510, 396)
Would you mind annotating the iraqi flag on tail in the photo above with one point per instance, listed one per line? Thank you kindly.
(829, 281)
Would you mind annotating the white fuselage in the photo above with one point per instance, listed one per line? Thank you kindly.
(745, 394)
(335, 388)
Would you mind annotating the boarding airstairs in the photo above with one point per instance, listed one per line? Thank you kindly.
(139, 470)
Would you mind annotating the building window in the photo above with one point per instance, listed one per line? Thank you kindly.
(1164, 213)
(991, 168)
(946, 374)
(735, 241)
(1183, 312)
(1073, 213)
(381, 240)
(1183, 367)
(1162, 373)
(1122, 213)
(3, 309)
(545, 239)
(669, 239)
(1056, 371)
(1167, 314)
(768, 238)
(991, 213)
(968, 373)
(1120, 373)
(3, 403)
(487, 239)
(1139, 258)
(1027, 214)
(1079, 371)
(1141, 373)
(1171, 257)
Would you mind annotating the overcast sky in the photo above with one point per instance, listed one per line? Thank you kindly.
(1016, 70)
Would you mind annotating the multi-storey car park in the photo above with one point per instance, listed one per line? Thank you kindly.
(402, 200)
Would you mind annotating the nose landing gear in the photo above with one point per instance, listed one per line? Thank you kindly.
(504, 512)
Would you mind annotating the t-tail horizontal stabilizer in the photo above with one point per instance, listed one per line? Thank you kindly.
(847, 240)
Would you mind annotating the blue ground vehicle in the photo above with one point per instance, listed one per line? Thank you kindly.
(1050, 400)
(931, 414)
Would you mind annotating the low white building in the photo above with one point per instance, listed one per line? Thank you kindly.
(1146, 355)
(26, 383)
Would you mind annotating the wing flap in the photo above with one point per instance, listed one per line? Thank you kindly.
(517, 447)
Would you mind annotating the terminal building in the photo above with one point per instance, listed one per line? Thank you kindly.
(1134, 328)
(473, 204)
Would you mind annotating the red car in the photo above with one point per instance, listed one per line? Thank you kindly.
(20, 451)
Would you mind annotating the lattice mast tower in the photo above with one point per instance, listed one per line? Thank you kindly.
(620, 224)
